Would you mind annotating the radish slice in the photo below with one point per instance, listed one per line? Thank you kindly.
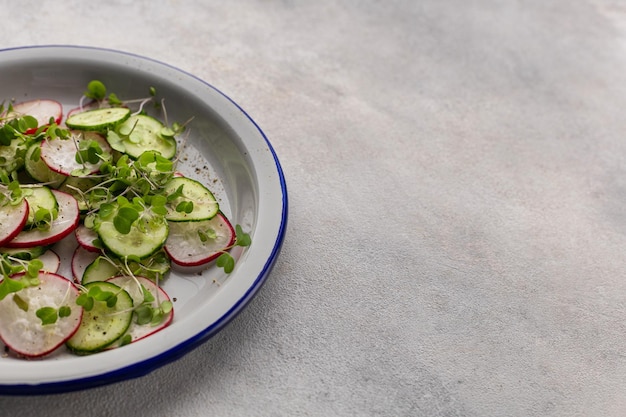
(81, 259)
(23, 332)
(42, 110)
(60, 154)
(85, 237)
(185, 247)
(51, 261)
(62, 226)
(132, 286)
(12, 220)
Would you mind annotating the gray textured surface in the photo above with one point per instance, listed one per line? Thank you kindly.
(457, 186)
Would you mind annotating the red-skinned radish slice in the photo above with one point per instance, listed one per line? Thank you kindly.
(85, 237)
(60, 154)
(186, 245)
(133, 287)
(40, 109)
(51, 261)
(23, 332)
(63, 225)
(81, 259)
(12, 220)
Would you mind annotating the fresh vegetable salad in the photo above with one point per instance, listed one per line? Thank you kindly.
(105, 175)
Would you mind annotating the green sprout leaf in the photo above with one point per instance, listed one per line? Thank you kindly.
(124, 219)
(9, 286)
(126, 340)
(33, 268)
(21, 304)
(114, 100)
(226, 261)
(85, 301)
(65, 311)
(147, 295)
(206, 235)
(184, 207)
(47, 315)
(96, 90)
(243, 239)
(144, 314)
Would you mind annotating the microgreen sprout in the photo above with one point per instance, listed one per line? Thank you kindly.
(10, 266)
(88, 151)
(96, 90)
(20, 302)
(226, 260)
(11, 193)
(88, 298)
(50, 315)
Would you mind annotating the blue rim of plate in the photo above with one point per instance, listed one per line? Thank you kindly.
(142, 368)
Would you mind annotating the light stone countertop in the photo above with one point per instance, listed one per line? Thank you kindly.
(456, 171)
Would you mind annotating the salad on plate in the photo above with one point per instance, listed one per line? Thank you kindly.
(104, 179)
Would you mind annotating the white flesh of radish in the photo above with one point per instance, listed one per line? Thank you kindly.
(85, 237)
(185, 247)
(12, 220)
(51, 261)
(60, 154)
(42, 110)
(23, 332)
(81, 259)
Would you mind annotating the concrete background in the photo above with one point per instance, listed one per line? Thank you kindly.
(457, 183)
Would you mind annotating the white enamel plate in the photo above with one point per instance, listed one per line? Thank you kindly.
(224, 149)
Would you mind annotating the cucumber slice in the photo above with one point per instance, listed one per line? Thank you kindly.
(102, 325)
(40, 200)
(99, 119)
(140, 133)
(137, 288)
(39, 170)
(205, 206)
(99, 270)
(145, 236)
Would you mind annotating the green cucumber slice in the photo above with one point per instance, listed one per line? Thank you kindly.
(40, 200)
(99, 119)
(140, 133)
(145, 236)
(152, 267)
(102, 325)
(205, 206)
(99, 270)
